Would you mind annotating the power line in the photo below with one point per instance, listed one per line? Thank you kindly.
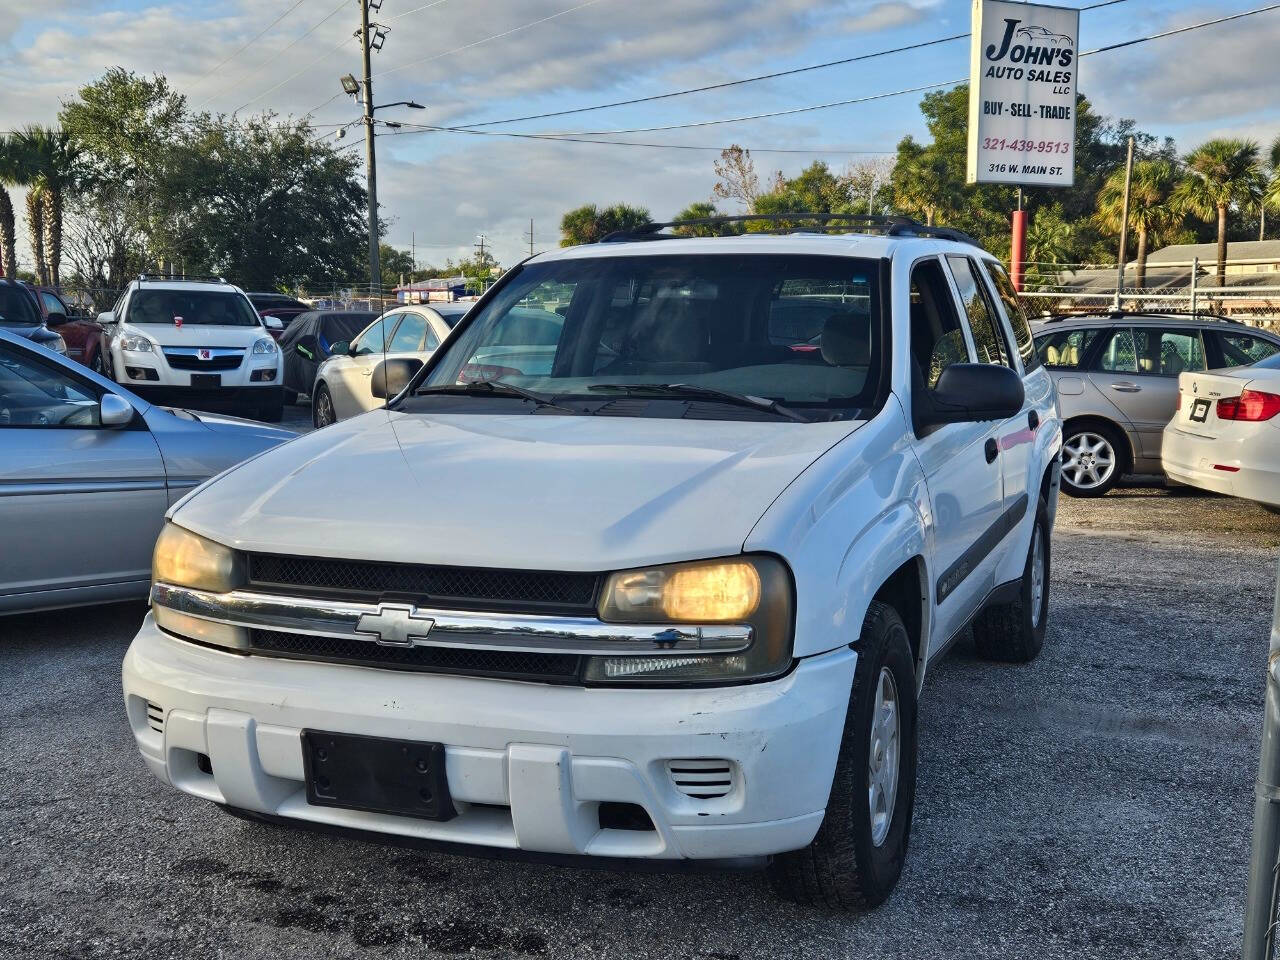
(258, 36)
(1170, 33)
(764, 76)
(476, 43)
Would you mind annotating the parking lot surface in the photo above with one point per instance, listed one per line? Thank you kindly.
(1096, 803)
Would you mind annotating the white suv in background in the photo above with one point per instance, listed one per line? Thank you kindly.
(691, 572)
(194, 343)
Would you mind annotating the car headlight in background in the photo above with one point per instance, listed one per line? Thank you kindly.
(186, 560)
(754, 591)
(136, 343)
(265, 345)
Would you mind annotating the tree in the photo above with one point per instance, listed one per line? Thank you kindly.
(10, 176)
(35, 231)
(50, 161)
(1050, 240)
(701, 211)
(919, 182)
(590, 224)
(1151, 210)
(1222, 174)
(396, 264)
(1271, 191)
(737, 177)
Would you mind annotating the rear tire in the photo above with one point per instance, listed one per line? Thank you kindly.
(322, 412)
(856, 858)
(1092, 462)
(1014, 632)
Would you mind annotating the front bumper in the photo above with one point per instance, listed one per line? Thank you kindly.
(528, 764)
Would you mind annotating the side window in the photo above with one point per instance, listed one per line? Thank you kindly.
(1240, 349)
(987, 338)
(1167, 353)
(408, 336)
(1013, 309)
(52, 304)
(372, 340)
(937, 341)
(37, 394)
(432, 340)
(1119, 356)
(1065, 349)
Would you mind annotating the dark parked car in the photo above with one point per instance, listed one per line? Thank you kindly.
(284, 308)
(327, 327)
(82, 334)
(18, 315)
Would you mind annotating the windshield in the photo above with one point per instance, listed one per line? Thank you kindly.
(802, 331)
(16, 308)
(206, 308)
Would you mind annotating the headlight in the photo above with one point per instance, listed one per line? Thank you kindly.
(186, 560)
(754, 591)
(265, 345)
(136, 343)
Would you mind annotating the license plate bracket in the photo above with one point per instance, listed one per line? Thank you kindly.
(376, 774)
(1199, 411)
(206, 380)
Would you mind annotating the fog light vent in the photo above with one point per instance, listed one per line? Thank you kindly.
(703, 778)
(155, 717)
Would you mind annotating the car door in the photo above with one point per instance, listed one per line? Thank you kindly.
(1137, 371)
(958, 459)
(81, 502)
(351, 380)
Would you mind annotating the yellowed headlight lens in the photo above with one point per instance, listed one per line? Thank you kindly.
(186, 560)
(715, 592)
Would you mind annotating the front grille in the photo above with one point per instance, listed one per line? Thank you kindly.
(180, 361)
(545, 667)
(475, 588)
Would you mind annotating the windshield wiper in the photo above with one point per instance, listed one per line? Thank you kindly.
(495, 388)
(707, 393)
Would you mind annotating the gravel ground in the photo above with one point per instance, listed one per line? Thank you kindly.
(1093, 804)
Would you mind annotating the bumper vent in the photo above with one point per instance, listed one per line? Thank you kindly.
(513, 665)
(476, 588)
(155, 717)
(702, 779)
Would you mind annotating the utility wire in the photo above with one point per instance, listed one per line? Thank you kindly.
(248, 43)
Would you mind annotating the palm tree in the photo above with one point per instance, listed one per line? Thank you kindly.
(51, 169)
(1221, 174)
(1050, 241)
(920, 185)
(10, 176)
(1150, 207)
(1271, 192)
(35, 230)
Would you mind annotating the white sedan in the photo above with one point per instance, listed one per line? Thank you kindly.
(1226, 434)
(342, 387)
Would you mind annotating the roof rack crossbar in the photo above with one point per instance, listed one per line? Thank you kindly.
(892, 226)
(194, 278)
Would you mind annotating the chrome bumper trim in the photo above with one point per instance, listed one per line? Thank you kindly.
(404, 625)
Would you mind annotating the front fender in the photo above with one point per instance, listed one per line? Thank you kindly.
(844, 526)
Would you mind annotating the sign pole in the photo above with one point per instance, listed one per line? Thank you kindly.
(1124, 226)
(1017, 245)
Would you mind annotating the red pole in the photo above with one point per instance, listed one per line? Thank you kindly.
(1016, 248)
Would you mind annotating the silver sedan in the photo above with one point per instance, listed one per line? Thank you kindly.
(87, 471)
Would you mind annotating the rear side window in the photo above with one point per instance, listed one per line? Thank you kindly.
(1065, 349)
(1239, 349)
(1167, 353)
(987, 339)
(1013, 309)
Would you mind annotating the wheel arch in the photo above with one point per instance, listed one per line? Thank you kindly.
(1126, 451)
(907, 591)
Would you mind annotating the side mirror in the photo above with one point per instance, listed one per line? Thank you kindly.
(107, 317)
(114, 410)
(55, 318)
(391, 376)
(340, 348)
(273, 323)
(971, 393)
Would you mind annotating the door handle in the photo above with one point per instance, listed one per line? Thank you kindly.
(1033, 420)
(991, 449)
(366, 373)
(1126, 387)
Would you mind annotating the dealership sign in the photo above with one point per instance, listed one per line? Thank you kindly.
(1022, 94)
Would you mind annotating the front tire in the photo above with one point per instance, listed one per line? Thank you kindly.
(322, 412)
(1091, 460)
(97, 366)
(856, 858)
(1014, 632)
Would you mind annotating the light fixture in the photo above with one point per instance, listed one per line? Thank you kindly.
(350, 85)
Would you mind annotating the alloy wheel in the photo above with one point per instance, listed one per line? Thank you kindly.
(1037, 575)
(883, 758)
(1089, 460)
(324, 409)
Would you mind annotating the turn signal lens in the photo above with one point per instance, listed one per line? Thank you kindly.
(1251, 405)
(186, 560)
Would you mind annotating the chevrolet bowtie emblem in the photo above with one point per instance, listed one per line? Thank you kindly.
(395, 625)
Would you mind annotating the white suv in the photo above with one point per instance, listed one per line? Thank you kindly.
(692, 568)
(194, 343)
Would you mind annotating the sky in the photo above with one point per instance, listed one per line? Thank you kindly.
(471, 61)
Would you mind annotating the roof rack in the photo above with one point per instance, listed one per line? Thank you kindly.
(1120, 314)
(839, 223)
(180, 276)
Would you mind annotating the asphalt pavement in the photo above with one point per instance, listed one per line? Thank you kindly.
(1096, 803)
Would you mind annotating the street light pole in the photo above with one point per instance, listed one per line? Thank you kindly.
(1124, 225)
(370, 157)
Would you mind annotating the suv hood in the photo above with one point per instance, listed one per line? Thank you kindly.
(523, 491)
(196, 335)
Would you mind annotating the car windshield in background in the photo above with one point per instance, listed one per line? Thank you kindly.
(799, 331)
(206, 308)
(16, 308)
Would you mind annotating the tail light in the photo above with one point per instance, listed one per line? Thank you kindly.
(1251, 405)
